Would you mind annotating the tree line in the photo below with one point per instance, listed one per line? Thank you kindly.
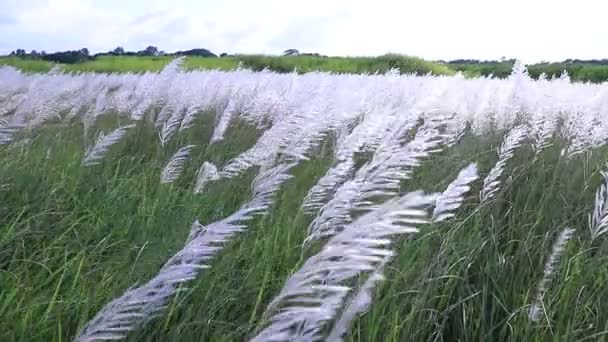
(76, 56)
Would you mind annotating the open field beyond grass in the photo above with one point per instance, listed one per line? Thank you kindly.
(122, 64)
(228, 206)
(579, 71)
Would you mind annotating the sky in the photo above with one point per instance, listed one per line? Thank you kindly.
(530, 30)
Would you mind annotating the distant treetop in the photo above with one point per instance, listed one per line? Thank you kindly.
(291, 52)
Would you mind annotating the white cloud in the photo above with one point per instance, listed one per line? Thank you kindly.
(483, 29)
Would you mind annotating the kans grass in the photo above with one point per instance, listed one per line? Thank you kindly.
(73, 238)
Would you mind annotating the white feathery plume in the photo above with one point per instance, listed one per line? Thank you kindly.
(558, 249)
(207, 172)
(305, 140)
(224, 122)
(445, 204)
(170, 127)
(584, 132)
(8, 132)
(321, 192)
(492, 181)
(292, 137)
(97, 152)
(94, 111)
(165, 113)
(142, 303)
(313, 296)
(543, 128)
(380, 177)
(368, 135)
(451, 199)
(175, 166)
(359, 303)
(598, 221)
(189, 117)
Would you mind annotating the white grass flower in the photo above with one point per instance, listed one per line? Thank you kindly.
(176, 164)
(96, 153)
(559, 247)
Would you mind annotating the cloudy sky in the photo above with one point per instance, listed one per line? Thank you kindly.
(531, 30)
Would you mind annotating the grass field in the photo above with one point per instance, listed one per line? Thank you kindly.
(120, 64)
(578, 71)
(108, 64)
(73, 238)
(27, 65)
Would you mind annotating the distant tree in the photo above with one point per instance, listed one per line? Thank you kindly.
(42, 53)
(74, 56)
(196, 52)
(223, 54)
(119, 51)
(34, 53)
(150, 51)
(291, 52)
(20, 53)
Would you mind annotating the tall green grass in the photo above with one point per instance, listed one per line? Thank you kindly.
(73, 238)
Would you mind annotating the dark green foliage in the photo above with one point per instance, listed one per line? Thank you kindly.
(196, 52)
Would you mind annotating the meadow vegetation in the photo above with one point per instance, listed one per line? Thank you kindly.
(76, 236)
(582, 71)
(27, 64)
(282, 64)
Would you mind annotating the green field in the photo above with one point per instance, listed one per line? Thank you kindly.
(578, 71)
(108, 64)
(120, 64)
(26, 64)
